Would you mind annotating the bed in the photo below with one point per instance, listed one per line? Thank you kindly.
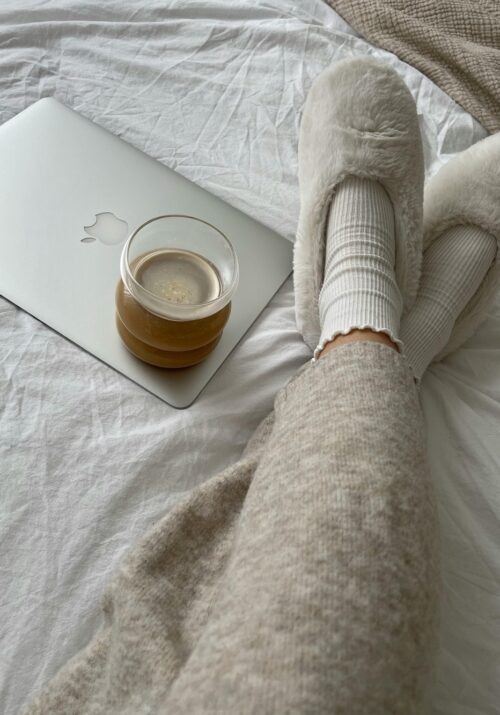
(213, 89)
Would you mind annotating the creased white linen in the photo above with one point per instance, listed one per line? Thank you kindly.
(214, 89)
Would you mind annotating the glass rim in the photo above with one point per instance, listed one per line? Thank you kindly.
(221, 299)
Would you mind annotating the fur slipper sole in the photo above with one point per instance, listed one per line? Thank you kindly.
(467, 191)
(359, 119)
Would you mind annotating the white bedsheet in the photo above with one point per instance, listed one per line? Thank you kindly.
(214, 89)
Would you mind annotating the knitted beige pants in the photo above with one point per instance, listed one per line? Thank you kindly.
(300, 580)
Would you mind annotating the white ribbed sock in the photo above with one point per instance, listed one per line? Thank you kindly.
(452, 270)
(359, 288)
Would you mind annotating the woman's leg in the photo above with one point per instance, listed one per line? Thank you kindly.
(327, 601)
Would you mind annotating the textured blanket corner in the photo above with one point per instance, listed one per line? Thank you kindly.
(455, 43)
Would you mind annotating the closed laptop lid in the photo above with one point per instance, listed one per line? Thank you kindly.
(60, 173)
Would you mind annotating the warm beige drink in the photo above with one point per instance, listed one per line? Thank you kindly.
(179, 277)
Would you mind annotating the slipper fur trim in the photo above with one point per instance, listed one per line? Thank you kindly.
(463, 192)
(359, 119)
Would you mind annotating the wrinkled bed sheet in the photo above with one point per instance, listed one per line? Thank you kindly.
(89, 460)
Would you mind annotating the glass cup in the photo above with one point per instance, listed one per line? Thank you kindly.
(178, 275)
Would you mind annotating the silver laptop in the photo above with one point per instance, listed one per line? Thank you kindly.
(60, 173)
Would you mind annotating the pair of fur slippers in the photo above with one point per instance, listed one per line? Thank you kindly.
(360, 119)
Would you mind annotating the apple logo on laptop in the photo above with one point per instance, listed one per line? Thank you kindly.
(107, 228)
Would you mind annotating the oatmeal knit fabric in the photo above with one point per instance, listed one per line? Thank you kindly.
(456, 43)
(301, 580)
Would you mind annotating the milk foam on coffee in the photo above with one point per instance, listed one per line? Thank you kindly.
(178, 276)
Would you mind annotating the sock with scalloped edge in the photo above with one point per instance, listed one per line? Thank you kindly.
(359, 286)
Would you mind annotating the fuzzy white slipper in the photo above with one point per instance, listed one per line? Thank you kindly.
(359, 119)
(467, 191)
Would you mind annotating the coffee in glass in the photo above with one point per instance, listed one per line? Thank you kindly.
(179, 274)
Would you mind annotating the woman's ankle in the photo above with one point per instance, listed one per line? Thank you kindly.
(356, 336)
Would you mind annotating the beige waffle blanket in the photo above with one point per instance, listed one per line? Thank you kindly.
(456, 43)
